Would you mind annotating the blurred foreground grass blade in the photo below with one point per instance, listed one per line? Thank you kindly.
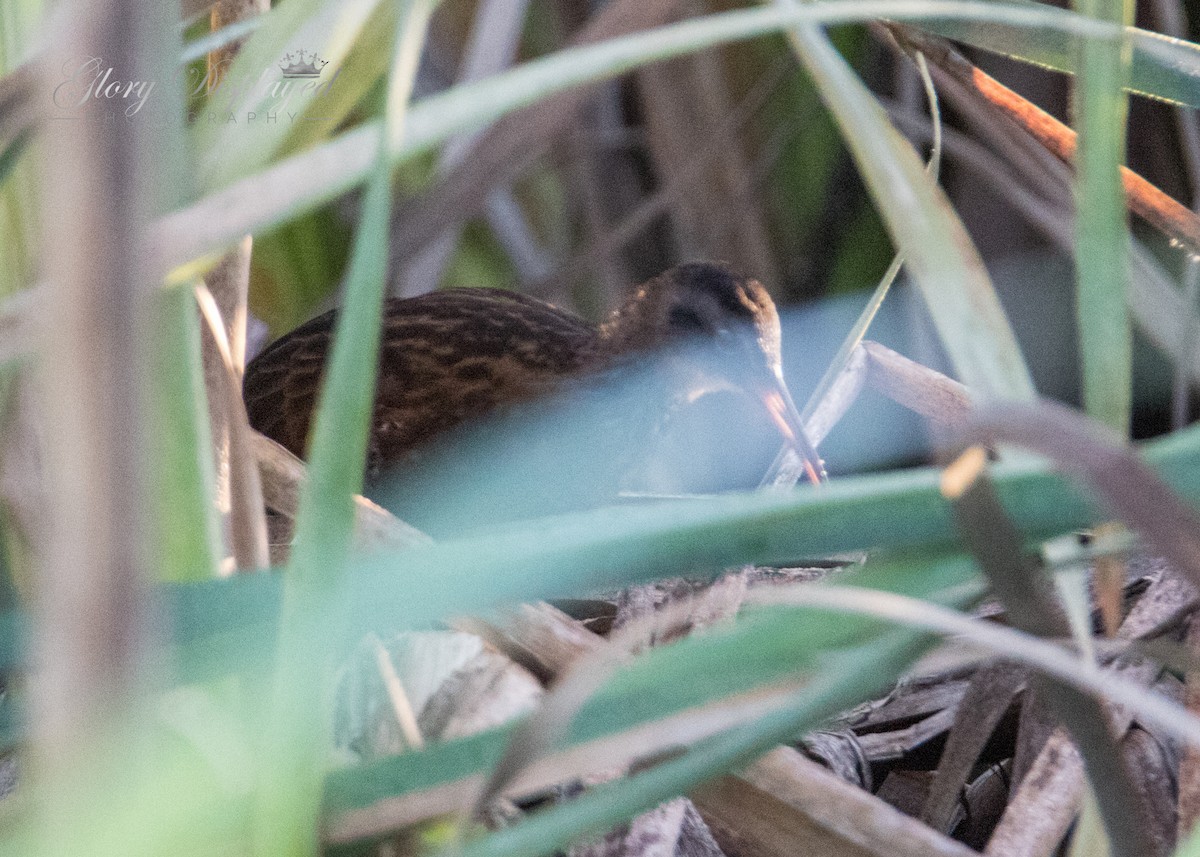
(301, 182)
(297, 739)
(189, 547)
(11, 154)
(758, 651)
(937, 250)
(181, 446)
(844, 680)
(93, 600)
(362, 68)
(1059, 49)
(219, 625)
(1102, 244)
(19, 203)
(1020, 585)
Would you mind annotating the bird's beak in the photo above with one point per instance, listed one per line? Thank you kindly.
(779, 404)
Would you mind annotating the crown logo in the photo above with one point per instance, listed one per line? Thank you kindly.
(301, 64)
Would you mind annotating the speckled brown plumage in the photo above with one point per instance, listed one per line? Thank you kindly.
(445, 358)
(451, 357)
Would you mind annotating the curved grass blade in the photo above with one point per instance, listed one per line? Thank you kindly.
(786, 468)
(940, 256)
(290, 791)
(845, 680)
(304, 181)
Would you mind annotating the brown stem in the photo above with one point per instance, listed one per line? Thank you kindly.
(1143, 198)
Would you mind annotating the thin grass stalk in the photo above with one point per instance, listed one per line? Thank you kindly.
(288, 798)
(223, 344)
(218, 39)
(186, 527)
(1102, 243)
(786, 469)
(491, 46)
(863, 323)
(92, 578)
(186, 544)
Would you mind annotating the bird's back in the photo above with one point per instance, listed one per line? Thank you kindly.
(446, 358)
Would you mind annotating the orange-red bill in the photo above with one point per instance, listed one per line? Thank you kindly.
(783, 413)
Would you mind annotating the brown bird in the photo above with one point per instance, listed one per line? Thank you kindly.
(458, 361)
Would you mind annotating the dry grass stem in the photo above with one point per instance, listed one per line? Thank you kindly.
(587, 674)
(1145, 199)
(247, 521)
(517, 140)
(786, 804)
(92, 578)
(406, 718)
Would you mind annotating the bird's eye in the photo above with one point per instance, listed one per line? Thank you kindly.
(686, 319)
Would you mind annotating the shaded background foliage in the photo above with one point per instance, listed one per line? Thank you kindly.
(727, 154)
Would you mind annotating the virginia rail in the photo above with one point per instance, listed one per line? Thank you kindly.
(456, 364)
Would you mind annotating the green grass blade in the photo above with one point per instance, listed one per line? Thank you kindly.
(183, 469)
(940, 256)
(218, 625)
(758, 651)
(290, 789)
(1102, 242)
(190, 544)
(362, 69)
(845, 680)
(12, 152)
(214, 41)
(304, 181)
(20, 205)
(615, 547)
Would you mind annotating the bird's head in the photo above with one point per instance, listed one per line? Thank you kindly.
(719, 331)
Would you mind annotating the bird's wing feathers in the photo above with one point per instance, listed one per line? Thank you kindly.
(445, 358)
